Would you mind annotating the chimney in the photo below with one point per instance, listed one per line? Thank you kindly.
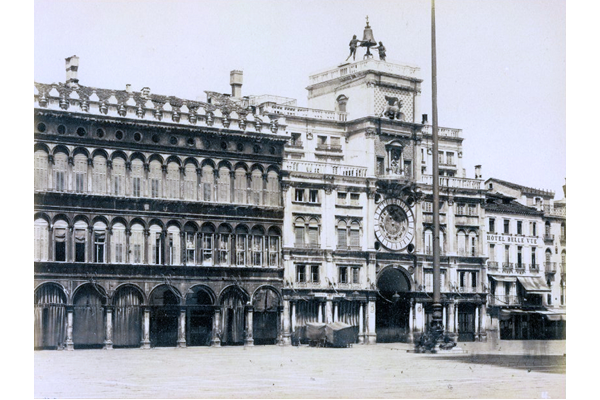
(424, 120)
(478, 172)
(236, 80)
(71, 65)
(128, 88)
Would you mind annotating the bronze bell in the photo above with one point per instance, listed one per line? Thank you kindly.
(368, 39)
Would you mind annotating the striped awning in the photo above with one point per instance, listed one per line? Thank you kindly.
(499, 278)
(534, 284)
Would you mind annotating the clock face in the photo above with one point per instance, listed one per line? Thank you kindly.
(394, 224)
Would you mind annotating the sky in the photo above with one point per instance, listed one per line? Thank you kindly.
(501, 64)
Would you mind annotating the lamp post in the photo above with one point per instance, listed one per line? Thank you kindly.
(437, 323)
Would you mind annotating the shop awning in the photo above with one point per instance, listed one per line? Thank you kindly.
(534, 284)
(503, 278)
(554, 315)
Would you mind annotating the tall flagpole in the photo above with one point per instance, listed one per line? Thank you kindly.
(437, 323)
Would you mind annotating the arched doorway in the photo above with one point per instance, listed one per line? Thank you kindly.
(88, 317)
(266, 316)
(393, 306)
(127, 317)
(164, 310)
(200, 311)
(50, 317)
(233, 302)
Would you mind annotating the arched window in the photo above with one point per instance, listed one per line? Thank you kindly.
(190, 182)
(462, 243)
(355, 234)
(156, 241)
(118, 243)
(563, 257)
(99, 175)
(241, 238)
(563, 231)
(342, 234)
(40, 240)
(208, 244)
(273, 189)
(99, 238)
(60, 240)
(173, 180)
(299, 229)
(118, 176)
(274, 246)
(136, 244)
(257, 187)
(240, 186)
(80, 230)
(208, 181)
(60, 172)
(258, 234)
(224, 245)
(547, 228)
(137, 177)
(155, 177)
(80, 171)
(224, 185)
(173, 245)
(41, 170)
(190, 244)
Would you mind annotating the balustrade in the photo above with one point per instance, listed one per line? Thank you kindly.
(550, 267)
(507, 267)
(492, 265)
(453, 182)
(324, 168)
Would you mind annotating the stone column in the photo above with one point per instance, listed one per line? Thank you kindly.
(372, 338)
(294, 305)
(108, 343)
(477, 322)
(411, 322)
(181, 331)
(361, 323)
(146, 329)
(216, 331)
(336, 311)
(249, 339)
(69, 342)
(483, 328)
(328, 311)
(147, 248)
(419, 318)
(452, 320)
(445, 315)
(286, 323)
(320, 310)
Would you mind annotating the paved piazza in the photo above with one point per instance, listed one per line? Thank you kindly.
(381, 371)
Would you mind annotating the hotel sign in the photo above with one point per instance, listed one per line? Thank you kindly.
(512, 239)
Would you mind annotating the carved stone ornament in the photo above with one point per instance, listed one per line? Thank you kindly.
(122, 109)
(460, 154)
(210, 119)
(309, 135)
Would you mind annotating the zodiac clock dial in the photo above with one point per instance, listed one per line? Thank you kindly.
(394, 224)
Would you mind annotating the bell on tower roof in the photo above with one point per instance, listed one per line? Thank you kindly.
(368, 40)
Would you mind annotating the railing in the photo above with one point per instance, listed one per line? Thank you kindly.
(467, 289)
(348, 285)
(364, 65)
(453, 182)
(296, 144)
(548, 238)
(534, 268)
(308, 285)
(504, 300)
(507, 267)
(324, 168)
(329, 147)
(467, 220)
(520, 268)
(304, 112)
(555, 211)
(428, 218)
(492, 265)
(550, 267)
(446, 132)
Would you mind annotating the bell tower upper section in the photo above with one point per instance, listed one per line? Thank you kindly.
(368, 88)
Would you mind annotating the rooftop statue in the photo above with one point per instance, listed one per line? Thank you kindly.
(381, 49)
(353, 44)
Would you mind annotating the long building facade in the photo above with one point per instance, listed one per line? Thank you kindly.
(161, 221)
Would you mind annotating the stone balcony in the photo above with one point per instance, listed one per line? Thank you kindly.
(550, 267)
(364, 65)
(507, 267)
(303, 112)
(313, 167)
(548, 238)
(452, 182)
(443, 132)
(504, 300)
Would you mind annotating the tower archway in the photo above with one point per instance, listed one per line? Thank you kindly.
(393, 305)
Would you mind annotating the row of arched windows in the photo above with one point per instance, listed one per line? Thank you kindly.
(466, 242)
(207, 245)
(190, 181)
